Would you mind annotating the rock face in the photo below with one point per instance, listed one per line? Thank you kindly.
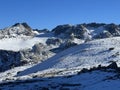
(66, 31)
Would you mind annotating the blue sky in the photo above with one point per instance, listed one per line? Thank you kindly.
(50, 13)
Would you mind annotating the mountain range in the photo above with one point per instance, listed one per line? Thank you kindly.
(68, 57)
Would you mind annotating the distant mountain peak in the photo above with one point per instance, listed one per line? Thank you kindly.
(18, 29)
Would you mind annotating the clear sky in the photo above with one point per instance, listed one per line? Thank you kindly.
(50, 13)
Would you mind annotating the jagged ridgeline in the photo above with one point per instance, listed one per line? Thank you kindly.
(94, 30)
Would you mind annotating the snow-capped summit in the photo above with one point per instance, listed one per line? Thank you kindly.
(17, 30)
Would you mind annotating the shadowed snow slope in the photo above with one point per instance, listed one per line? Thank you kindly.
(87, 55)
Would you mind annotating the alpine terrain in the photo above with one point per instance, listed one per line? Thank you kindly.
(68, 57)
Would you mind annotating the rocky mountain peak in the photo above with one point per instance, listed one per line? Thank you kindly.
(18, 29)
(24, 24)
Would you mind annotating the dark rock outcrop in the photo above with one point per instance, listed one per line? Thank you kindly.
(113, 65)
(53, 41)
(9, 59)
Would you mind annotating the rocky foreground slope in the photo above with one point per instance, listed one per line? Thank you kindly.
(35, 59)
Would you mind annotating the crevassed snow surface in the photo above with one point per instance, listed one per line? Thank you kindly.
(16, 44)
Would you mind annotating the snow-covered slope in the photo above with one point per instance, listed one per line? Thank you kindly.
(87, 55)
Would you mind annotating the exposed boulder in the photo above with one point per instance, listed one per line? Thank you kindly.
(113, 65)
(112, 48)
